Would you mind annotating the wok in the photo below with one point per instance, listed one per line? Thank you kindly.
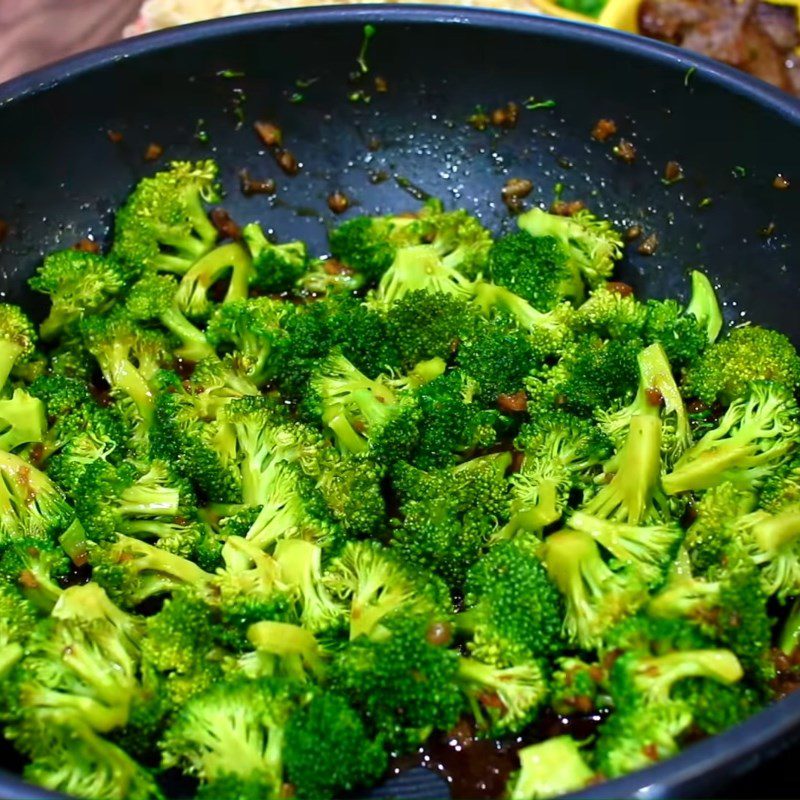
(61, 176)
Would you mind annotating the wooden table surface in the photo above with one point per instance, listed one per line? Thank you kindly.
(36, 32)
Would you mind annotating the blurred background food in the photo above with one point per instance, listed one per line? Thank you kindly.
(762, 38)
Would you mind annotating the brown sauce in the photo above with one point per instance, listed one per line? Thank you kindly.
(480, 768)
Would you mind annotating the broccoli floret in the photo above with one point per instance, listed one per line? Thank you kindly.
(352, 489)
(497, 360)
(680, 334)
(714, 706)
(591, 244)
(375, 584)
(550, 769)
(369, 244)
(80, 763)
(562, 455)
(503, 699)
(192, 296)
(647, 549)
(18, 619)
(782, 487)
(704, 306)
(449, 517)
(327, 277)
(276, 267)
(749, 353)
(131, 570)
(30, 503)
(452, 423)
(757, 433)
(577, 686)
(128, 355)
(403, 678)
(22, 420)
(596, 596)
(78, 283)
(152, 298)
(283, 650)
(363, 414)
(300, 569)
(538, 269)
(17, 340)
(163, 224)
(235, 728)
(592, 375)
(36, 567)
(730, 607)
(429, 325)
(648, 721)
(420, 268)
(252, 330)
(611, 315)
(710, 534)
(773, 542)
(505, 630)
(328, 750)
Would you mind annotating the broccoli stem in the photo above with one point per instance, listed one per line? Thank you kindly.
(777, 532)
(704, 305)
(704, 471)
(124, 376)
(790, 633)
(9, 353)
(194, 346)
(10, 654)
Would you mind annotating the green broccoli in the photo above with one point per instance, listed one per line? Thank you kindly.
(22, 420)
(550, 768)
(78, 283)
(276, 267)
(163, 224)
(17, 340)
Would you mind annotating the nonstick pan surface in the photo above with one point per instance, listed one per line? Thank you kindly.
(196, 91)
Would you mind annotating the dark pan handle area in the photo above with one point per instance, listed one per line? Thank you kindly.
(61, 176)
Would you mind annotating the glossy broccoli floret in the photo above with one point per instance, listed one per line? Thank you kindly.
(591, 244)
(549, 769)
(163, 224)
(538, 269)
(276, 267)
(78, 283)
(757, 433)
(403, 678)
(22, 420)
(746, 354)
(328, 749)
(505, 629)
(611, 314)
(17, 339)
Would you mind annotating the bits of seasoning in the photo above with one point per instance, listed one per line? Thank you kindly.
(381, 84)
(269, 133)
(222, 221)
(251, 186)
(3, 230)
(768, 230)
(230, 73)
(513, 403)
(566, 208)
(338, 202)
(287, 162)
(604, 129)
(439, 634)
(673, 172)
(705, 202)
(505, 117)
(634, 232)
(688, 75)
(625, 151)
(200, 132)
(649, 246)
(153, 152)
(532, 103)
(115, 137)
(654, 397)
(620, 287)
(479, 119)
(739, 172)
(86, 246)
(780, 182)
(514, 190)
(374, 144)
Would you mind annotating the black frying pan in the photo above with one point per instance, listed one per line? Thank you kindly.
(60, 175)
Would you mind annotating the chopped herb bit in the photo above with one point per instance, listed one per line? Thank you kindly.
(688, 76)
(706, 201)
(238, 100)
(739, 171)
(359, 96)
(200, 132)
(532, 103)
(230, 73)
(304, 83)
(369, 32)
(296, 97)
(479, 119)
